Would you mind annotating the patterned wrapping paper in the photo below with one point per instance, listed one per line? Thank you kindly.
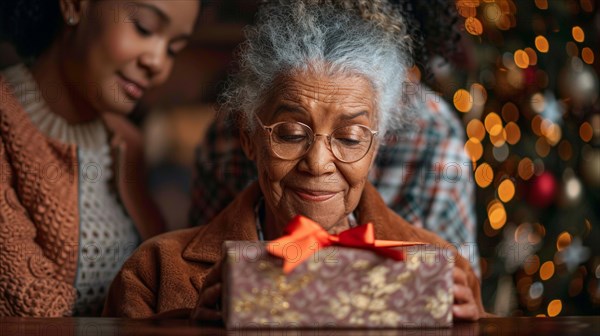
(337, 287)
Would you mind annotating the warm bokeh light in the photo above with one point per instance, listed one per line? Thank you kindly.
(538, 102)
(531, 265)
(532, 56)
(541, 44)
(515, 76)
(536, 125)
(479, 94)
(484, 175)
(586, 131)
(473, 26)
(540, 232)
(506, 190)
(510, 112)
(504, 22)
(541, 4)
(475, 129)
(467, 8)
(499, 139)
(488, 230)
(542, 148)
(572, 49)
(524, 284)
(587, 5)
(513, 133)
(493, 13)
(474, 149)
(496, 215)
(526, 168)
(578, 34)
(565, 150)
(551, 131)
(588, 55)
(463, 100)
(547, 270)
(493, 124)
(521, 59)
(554, 308)
(563, 240)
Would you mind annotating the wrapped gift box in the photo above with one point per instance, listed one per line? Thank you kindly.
(337, 287)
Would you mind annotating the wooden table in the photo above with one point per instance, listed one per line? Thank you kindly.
(513, 326)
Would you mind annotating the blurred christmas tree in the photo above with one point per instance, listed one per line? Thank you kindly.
(532, 117)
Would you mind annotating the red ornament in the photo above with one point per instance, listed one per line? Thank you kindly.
(542, 191)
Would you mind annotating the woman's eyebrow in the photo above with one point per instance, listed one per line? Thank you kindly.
(351, 116)
(161, 14)
(289, 108)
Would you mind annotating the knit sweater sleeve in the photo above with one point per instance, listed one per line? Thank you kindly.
(31, 284)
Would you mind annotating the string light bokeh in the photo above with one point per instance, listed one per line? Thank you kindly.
(532, 121)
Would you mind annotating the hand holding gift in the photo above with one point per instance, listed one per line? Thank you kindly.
(465, 306)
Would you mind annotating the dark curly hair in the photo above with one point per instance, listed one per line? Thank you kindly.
(30, 25)
(433, 26)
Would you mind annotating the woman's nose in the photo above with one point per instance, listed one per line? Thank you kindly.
(319, 159)
(154, 60)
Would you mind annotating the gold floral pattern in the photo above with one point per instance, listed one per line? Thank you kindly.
(439, 304)
(362, 289)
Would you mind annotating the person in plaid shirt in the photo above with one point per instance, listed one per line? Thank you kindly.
(422, 172)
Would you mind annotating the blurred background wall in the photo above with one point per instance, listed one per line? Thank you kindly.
(530, 108)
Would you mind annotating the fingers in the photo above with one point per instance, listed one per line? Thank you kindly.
(463, 294)
(464, 307)
(206, 307)
(459, 276)
(467, 312)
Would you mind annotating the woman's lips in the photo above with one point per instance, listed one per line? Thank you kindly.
(314, 196)
(131, 89)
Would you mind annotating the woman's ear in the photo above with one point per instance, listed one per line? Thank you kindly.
(247, 144)
(72, 10)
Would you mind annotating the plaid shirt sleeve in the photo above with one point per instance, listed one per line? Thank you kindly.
(221, 172)
(423, 174)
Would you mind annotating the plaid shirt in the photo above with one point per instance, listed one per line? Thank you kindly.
(422, 173)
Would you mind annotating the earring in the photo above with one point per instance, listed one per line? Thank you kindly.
(71, 21)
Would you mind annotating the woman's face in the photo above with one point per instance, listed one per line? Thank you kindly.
(316, 185)
(117, 50)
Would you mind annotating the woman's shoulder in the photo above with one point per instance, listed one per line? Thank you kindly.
(170, 243)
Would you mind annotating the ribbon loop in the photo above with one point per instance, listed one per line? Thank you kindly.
(309, 237)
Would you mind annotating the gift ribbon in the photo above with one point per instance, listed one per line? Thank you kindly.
(305, 237)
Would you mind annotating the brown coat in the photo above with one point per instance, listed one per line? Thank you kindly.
(39, 209)
(166, 273)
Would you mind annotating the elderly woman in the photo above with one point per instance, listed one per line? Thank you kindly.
(316, 87)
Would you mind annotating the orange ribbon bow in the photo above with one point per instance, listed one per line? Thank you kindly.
(307, 237)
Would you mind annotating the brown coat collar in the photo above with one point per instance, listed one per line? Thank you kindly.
(237, 222)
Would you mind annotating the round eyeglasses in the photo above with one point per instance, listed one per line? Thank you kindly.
(292, 140)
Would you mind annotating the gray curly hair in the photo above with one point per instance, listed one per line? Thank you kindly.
(350, 37)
